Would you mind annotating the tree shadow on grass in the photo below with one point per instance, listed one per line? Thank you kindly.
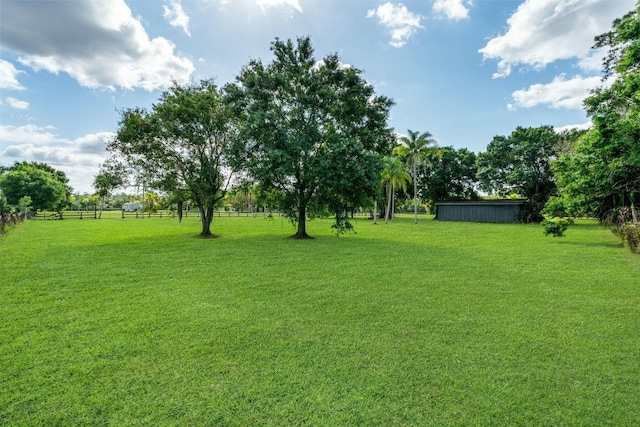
(592, 244)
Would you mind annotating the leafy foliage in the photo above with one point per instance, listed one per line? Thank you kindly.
(394, 177)
(520, 163)
(313, 130)
(449, 174)
(112, 175)
(25, 204)
(556, 227)
(183, 145)
(46, 186)
(601, 176)
(631, 235)
(4, 206)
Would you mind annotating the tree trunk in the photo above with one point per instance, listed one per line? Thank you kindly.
(375, 212)
(179, 211)
(415, 193)
(392, 214)
(386, 214)
(101, 207)
(206, 218)
(301, 233)
(634, 214)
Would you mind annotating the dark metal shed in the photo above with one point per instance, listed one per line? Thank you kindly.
(480, 211)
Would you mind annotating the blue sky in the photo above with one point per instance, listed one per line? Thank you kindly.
(463, 70)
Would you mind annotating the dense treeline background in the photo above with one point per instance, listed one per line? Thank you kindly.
(310, 138)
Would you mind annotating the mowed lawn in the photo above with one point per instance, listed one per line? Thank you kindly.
(137, 322)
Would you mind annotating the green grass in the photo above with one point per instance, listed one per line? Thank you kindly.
(138, 322)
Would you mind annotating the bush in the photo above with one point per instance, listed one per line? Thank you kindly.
(620, 222)
(555, 208)
(556, 227)
(631, 233)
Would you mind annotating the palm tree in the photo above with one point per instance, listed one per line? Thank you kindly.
(394, 176)
(415, 146)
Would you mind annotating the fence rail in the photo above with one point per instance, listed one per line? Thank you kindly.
(122, 214)
(63, 215)
(7, 221)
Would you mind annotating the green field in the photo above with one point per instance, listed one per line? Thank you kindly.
(139, 322)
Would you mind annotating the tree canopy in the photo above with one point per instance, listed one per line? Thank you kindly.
(449, 174)
(521, 163)
(47, 186)
(600, 176)
(183, 144)
(314, 132)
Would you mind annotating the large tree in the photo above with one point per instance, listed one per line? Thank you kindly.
(183, 144)
(449, 174)
(520, 164)
(46, 186)
(612, 149)
(415, 147)
(313, 132)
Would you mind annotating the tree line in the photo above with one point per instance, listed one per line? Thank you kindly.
(311, 138)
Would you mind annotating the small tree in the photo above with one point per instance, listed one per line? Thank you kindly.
(112, 175)
(25, 204)
(394, 176)
(183, 144)
(415, 147)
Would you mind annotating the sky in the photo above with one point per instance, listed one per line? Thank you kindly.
(463, 70)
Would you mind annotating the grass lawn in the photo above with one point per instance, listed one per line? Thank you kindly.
(138, 322)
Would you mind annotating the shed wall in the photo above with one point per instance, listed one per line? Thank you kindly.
(479, 212)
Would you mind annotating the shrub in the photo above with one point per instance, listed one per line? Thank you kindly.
(556, 227)
(631, 233)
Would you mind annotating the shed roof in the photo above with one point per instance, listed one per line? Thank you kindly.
(483, 202)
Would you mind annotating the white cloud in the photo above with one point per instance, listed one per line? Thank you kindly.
(27, 134)
(454, 10)
(579, 126)
(264, 4)
(9, 76)
(543, 31)
(176, 16)
(398, 20)
(593, 61)
(78, 158)
(98, 43)
(560, 93)
(319, 64)
(17, 104)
